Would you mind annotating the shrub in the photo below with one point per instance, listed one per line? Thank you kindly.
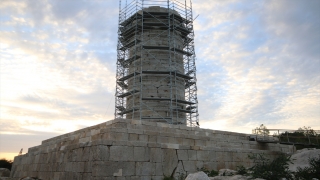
(211, 173)
(168, 178)
(241, 170)
(270, 170)
(5, 164)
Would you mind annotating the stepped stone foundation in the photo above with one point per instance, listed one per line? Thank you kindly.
(132, 150)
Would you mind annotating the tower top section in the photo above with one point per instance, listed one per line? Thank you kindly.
(156, 72)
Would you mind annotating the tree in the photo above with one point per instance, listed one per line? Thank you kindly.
(5, 163)
(261, 130)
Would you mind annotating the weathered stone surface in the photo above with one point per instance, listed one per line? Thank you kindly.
(141, 154)
(169, 162)
(4, 172)
(149, 150)
(99, 152)
(159, 171)
(182, 154)
(108, 168)
(145, 169)
(121, 153)
(197, 176)
(192, 155)
(180, 173)
(156, 155)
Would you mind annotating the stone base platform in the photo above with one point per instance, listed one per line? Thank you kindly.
(132, 150)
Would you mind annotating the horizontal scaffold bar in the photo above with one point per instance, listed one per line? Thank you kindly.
(130, 44)
(156, 118)
(128, 76)
(169, 73)
(158, 15)
(128, 111)
(189, 83)
(156, 73)
(180, 51)
(122, 84)
(129, 32)
(168, 99)
(125, 63)
(183, 110)
(128, 93)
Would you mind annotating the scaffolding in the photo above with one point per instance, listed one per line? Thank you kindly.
(156, 71)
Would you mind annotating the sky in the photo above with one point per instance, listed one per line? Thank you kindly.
(258, 62)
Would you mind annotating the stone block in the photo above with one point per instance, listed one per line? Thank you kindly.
(210, 165)
(158, 169)
(136, 122)
(192, 155)
(119, 173)
(151, 133)
(154, 145)
(133, 137)
(188, 142)
(170, 146)
(156, 155)
(161, 139)
(135, 131)
(88, 167)
(141, 154)
(99, 152)
(120, 143)
(95, 131)
(108, 168)
(179, 140)
(69, 166)
(121, 153)
(119, 125)
(152, 138)
(169, 161)
(85, 139)
(78, 167)
(190, 166)
(115, 136)
(86, 176)
(145, 169)
(143, 137)
(172, 140)
(182, 155)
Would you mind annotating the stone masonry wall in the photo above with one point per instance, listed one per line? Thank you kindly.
(133, 150)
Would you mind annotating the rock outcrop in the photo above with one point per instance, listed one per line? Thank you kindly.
(301, 158)
(197, 176)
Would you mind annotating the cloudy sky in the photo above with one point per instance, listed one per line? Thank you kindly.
(258, 62)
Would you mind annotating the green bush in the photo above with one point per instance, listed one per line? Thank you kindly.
(211, 173)
(241, 170)
(168, 178)
(5, 164)
(270, 170)
(313, 171)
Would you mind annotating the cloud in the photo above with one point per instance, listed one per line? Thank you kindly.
(260, 55)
